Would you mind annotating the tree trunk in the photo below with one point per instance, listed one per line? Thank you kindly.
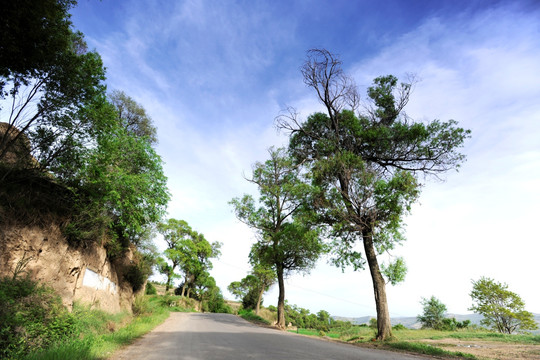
(188, 292)
(258, 307)
(168, 284)
(384, 327)
(281, 299)
(183, 290)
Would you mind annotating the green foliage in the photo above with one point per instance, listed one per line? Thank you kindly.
(123, 176)
(32, 34)
(426, 349)
(249, 315)
(303, 318)
(31, 317)
(249, 300)
(186, 250)
(140, 305)
(399, 327)
(451, 324)
(395, 272)
(62, 87)
(286, 238)
(502, 309)
(251, 288)
(150, 289)
(433, 313)
(133, 117)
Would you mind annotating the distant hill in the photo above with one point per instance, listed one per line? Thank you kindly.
(413, 323)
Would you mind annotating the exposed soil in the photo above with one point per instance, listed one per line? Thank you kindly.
(489, 349)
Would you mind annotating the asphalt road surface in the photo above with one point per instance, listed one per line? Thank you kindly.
(196, 336)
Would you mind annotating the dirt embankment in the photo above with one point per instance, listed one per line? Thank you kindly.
(82, 274)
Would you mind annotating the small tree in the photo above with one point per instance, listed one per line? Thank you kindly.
(251, 288)
(502, 309)
(433, 315)
(287, 240)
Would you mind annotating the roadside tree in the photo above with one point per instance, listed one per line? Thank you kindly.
(433, 313)
(133, 117)
(287, 239)
(366, 165)
(502, 309)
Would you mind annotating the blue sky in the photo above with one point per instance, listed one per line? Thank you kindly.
(213, 75)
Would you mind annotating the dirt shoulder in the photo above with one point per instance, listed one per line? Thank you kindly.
(488, 349)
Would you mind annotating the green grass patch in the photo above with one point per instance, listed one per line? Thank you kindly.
(314, 332)
(249, 315)
(426, 349)
(102, 333)
(491, 336)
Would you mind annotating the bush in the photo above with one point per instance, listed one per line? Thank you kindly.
(399, 327)
(31, 317)
(433, 315)
(138, 272)
(249, 301)
(140, 305)
(150, 289)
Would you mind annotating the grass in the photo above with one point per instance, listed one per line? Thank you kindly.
(103, 333)
(426, 349)
(313, 332)
(250, 316)
(410, 340)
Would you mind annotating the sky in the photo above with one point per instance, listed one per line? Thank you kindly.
(213, 75)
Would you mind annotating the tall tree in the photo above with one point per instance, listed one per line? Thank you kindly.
(133, 117)
(287, 240)
(367, 165)
(502, 309)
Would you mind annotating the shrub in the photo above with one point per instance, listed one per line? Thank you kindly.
(399, 327)
(433, 314)
(138, 272)
(140, 305)
(150, 289)
(31, 317)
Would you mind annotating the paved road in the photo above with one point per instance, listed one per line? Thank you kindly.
(195, 336)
